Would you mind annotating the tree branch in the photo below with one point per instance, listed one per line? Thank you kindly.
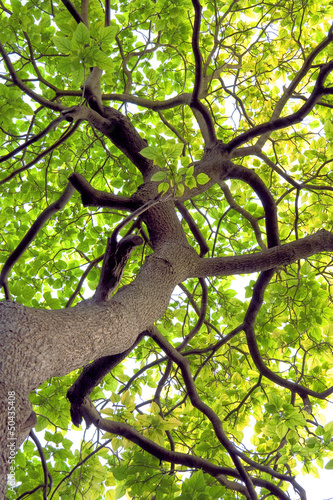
(114, 262)
(47, 476)
(107, 13)
(321, 241)
(92, 264)
(17, 81)
(119, 129)
(252, 220)
(33, 231)
(249, 320)
(289, 120)
(204, 248)
(288, 92)
(92, 197)
(73, 12)
(84, 12)
(191, 461)
(91, 376)
(60, 141)
(183, 364)
(178, 100)
(210, 137)
(266, 198)
(34, 139)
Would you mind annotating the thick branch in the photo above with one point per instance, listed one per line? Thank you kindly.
(91, 377)
(92, 197)
(178, 100)
(119, 129)
(282, 255)
(113, 266)
(92, 90)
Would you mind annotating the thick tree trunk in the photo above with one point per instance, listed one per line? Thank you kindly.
(37, 344)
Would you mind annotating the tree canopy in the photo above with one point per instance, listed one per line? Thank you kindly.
(152, 152)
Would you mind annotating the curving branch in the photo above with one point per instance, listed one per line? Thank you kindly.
(184, 366)
(266, 198)
(210, 136)
(92, 264)
(91, 376)
(172, 128)
(252, 220)
(204, 248)
(196, 50)
(119, 129)
(249, 320)
(33, 231)
(47, 486)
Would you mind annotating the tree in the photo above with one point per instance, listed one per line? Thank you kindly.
(152, 152)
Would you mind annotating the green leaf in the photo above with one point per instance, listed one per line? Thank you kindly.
(329, 464)
(163, 187)
(180, 190)
(107, 34)
(63, 44)
(202, 178)
(101, 60)
(150, 152)
(81, 34)
(158, 176)
(174, 150)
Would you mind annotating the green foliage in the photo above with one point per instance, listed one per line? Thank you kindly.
(251, 52)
